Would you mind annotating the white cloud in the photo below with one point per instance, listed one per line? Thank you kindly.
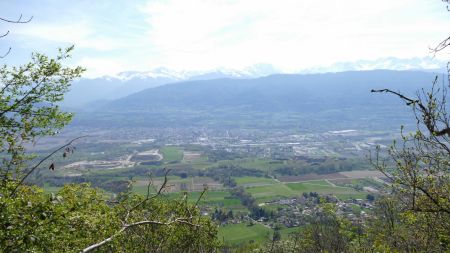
(290, 33)
(79, 34)
(96, 67)
(206, 34)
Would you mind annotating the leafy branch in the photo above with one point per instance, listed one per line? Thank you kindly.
(172, 220)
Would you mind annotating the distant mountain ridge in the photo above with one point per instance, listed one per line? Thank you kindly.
(282, 99)
(275, 92)
(91, 93)
(88, 92)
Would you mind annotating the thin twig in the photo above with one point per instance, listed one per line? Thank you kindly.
(146, 222)
(7, 52)
(41, 161)
(5, 34)
(18, 21)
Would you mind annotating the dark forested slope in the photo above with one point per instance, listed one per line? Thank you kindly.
(281, 100)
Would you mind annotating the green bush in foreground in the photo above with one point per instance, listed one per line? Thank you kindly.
(78, 216)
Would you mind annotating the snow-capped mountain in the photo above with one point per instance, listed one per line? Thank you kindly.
(88, 93)
(391, 63)
(257, 70)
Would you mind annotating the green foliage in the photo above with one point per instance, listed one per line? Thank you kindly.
(69, 220)
(397, 230)
(327, 232)
(78, 216)
(28, 105)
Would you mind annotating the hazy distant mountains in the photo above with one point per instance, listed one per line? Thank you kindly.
(390, 63)
(328, 101)
(283, 92)
(92, 93)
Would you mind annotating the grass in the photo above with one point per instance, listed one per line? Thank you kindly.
(355, 195)
(200, 163)
(216, 198)
(318, 182)
(253, 180)
(286, 232)
(324, 189)
(240, 233)
(261, 164)
(171, 154)
(271, 191)
(253, 163)
(265, 193)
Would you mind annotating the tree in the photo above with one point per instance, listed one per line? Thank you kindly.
(28, 108)
(415, 216)
(78, 217)
(395, 230)
(326, 232)
(418, 168)
(420, 174)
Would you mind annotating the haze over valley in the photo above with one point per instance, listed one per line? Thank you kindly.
(224, 126)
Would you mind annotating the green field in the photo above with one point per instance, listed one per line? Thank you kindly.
(171, 154)
(265, 193)
(286, 232)
(240, 233)
(200, 163)
(262, 164)
(318, 182)
(212, 198)
(253, 180)
(271, 191)
(324, 189)
(253, 163)
(243, 232)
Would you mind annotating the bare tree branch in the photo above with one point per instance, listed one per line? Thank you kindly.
(5, 54)
(5, 34)
(17, 21)
(424, 110)
(41, 161)
(126, 225)
(140, 223)
(441, 46)
(148, 197)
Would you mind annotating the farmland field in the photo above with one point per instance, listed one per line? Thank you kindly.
(177, 184)
(271, 191)
(309, 177)
(362, 173)
(215, 198)
(264, 193)
(322, 189)
(171, 154)
(249, 181)
(333, 176)
(243, 232)
(189, 156)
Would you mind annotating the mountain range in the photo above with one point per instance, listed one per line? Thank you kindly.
(336, 100)
(93, 93)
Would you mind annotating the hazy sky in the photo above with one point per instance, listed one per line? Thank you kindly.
(114, 36)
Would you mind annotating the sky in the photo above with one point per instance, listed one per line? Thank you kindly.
(115, 36)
